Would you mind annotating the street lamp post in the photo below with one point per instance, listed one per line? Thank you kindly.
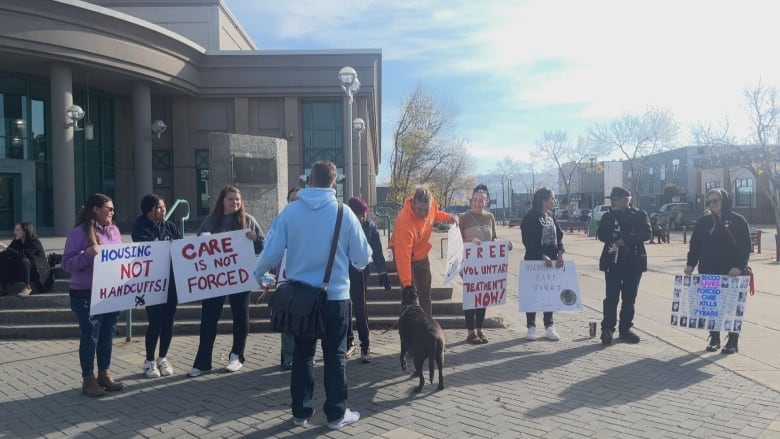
(358, 125)
(592, 181)
(510, 197)
(350, 84)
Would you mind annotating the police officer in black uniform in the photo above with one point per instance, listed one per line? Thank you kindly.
(623, 229)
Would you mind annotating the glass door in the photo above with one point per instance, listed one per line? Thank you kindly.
(9, 202)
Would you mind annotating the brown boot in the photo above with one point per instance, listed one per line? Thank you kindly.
(91, 387)
(105, 381)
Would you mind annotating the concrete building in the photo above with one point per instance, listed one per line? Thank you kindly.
(186, 63)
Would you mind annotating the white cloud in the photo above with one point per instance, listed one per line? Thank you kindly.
(587, 59)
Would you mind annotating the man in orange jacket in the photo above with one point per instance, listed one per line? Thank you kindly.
(410, 243)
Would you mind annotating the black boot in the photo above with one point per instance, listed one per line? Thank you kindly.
(731, 344)
(606, 336)
(714, 343)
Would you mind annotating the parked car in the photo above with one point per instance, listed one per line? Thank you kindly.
(561, 214)
(582, 215)
(599, 211)
(675, 215)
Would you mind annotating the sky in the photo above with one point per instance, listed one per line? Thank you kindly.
(514, 69)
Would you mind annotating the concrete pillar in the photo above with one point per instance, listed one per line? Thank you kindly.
(142, 139)
(63, 160)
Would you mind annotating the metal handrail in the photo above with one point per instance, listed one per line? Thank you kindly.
(180, 201)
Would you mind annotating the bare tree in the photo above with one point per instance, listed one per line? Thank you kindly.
(712, 136)
(457, 173)
(418, 142)
(637, 136)
(568, 158)
(764, 110)
(501, 174)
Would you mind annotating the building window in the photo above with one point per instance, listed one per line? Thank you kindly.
(202, 180)
(662, 172)
(323, 132)
(711, 185)
(743, 192)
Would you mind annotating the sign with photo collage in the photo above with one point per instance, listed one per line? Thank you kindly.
(709, 302)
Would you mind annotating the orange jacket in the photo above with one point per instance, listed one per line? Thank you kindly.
(411, 237)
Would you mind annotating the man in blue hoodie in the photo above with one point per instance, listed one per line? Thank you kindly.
(301, 228)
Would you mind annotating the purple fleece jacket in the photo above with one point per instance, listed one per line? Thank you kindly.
(77, 262)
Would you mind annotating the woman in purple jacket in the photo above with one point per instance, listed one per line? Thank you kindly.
(94, 227)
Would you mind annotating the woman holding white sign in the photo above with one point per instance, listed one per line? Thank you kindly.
(152, 226)
(477, 225)
(228, 215)
(720, 244)
(543, 241)
(94, 227)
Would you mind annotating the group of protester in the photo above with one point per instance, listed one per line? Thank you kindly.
(720, 244)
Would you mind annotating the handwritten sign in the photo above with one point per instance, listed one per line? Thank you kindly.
(454, 254)
(485, 269)
(130, 276)
(548, 288)
(213, 265)
(709, 302)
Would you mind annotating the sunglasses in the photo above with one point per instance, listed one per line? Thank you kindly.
(713, 202)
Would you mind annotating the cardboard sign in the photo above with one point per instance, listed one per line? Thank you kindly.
(130, 276)
(213, 265)
(548, 288)
(485, 269)
(454, 254)
(709, 302)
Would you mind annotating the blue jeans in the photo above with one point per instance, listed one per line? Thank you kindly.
(97, 336)
(334, 350)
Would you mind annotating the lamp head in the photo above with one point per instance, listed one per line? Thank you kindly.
(358, 125)
(75, 114)
(158, 127)
(347, 76)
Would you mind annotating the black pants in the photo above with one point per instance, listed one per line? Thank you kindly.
(357, 293)
(160, 325)
(14, 268)
(211, 309)
(621, 284)
(474, 318)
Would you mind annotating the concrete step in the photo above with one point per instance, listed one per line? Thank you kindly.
(60, 299)
(191, 311)
(192, 327)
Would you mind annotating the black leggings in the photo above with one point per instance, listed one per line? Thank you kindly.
(474, 318)
(160, 325)
(211, 309)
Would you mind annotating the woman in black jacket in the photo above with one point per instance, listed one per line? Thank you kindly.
(24, 261)
(543, 241)
(720, 244)
(152, 226)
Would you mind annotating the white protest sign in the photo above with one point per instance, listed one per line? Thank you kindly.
(129, 276)
(710, 302)
(454, 254)
(548, 288)
(213, 265)
(485, 269)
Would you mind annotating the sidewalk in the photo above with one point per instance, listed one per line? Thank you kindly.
(664, 387)
(759, 356)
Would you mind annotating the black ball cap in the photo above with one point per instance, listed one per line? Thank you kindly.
(619, 192)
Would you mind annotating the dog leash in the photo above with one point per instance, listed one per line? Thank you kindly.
(395, 325)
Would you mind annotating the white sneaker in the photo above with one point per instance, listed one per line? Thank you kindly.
(350, 417)
(531, 335)
(234, 365)
(150, 369)
(164, 366)
(194, 372)
(550, 334)
(302, 422)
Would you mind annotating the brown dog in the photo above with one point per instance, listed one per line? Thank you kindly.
(421, 335)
